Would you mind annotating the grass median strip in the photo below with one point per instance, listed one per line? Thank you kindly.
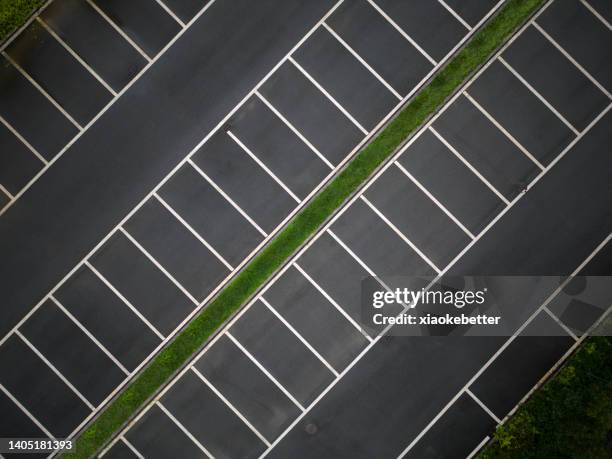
(14, 13)
(234, 295)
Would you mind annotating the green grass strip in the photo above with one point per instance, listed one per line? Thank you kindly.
(14, 13)
(568, 417)
(232, 297)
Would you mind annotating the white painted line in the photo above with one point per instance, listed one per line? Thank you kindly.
(266, 372)
(572, 60)
(23, 140)
(328, 95)
(503, 130)
(6, 192)
(118, 29)
(397, 231)
(55, 370)
(26, 412)
(170, 12)
(565, 328)
(469, 166)
(184, 429)
(538, 95)
(263, 166)
(42, 91)
(483, 406)
(159, 266)
(332, 301)
(299, 336)
(351, 253)
(230, 406)
(192, 231)
(362, 61)
(435, 201)
(124, 299)
(76, 56)
(293, 129)
(403, 33)
(476, 450)
(132, 448)
(596, 14)
(227, 198)
(455, 14)
(89, 335)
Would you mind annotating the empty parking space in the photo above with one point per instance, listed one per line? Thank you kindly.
(348, 81)
(556, 78)
(210, 420)
(45, 395)
(58, 73)
(144, 21)
(381, 45)
(316, 319)
(280, 149)
(91, 36)
(249, 185)
(247, 388)
(578, 31)
(311, 112)
(18, 164)
(120, 450)
(471, 11)
(178, 250)
(29, 112)
(505, 164)
(142, 283)
(281, 353)
(127, 337)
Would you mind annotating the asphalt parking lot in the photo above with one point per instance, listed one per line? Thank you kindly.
(196, 193)
(483, 188)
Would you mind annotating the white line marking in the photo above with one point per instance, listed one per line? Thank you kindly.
(54, 370)
(266, 372)
(119, 30)
(294, 130)
(227, 198)
(351, 253)
(132, 448)
(54, 102)
(571, 59)
(483, 406)
(469, 166)
(23, 140)
(170, 12)
(397, 231)
(476, 450)
(90, 335)
(362, 61)
(192, 231)
(328, 95)
(332, 301)
(184, 429)
(231, 406)
(159, 266)
(455, 14)
(538, 95)
(6, 192)
(135, 310)
(503, 130)
(565, 328)
(435, 201)
(26, 412)
(596, 14)
(402, 32)
(299, 336)
(263, 166)
(75, 55)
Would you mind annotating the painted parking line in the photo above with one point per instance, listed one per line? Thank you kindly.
(503, 130)
(362, 61)
(596, 14)
(23, 140)
(480, 445)
(132, 448)
(26, 412)
(54, 370)
(6, 192)
(328, 95)
(483, 406)
(455, 14)
(184, 429)
(170, 13)
(402, 32)
(468, 165)
(554, 317)
(571, 59)
(42, 91)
